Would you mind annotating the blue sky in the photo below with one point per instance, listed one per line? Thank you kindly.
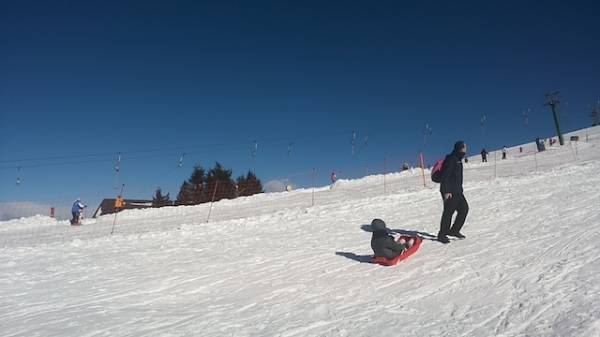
(85, 80)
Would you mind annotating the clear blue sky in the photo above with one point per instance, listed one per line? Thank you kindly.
(93, 78)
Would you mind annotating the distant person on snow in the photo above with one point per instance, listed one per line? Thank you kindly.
(452, 193)
(484, 154)
(119, 204)
(333, 179)
(76, 211)
(384, 244)
(504, 153)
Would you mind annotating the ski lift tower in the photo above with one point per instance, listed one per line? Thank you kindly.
(554, 103)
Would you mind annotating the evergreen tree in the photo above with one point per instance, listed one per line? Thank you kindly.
(160, 200)
(198, 185)
(198, 176)
(249, 184)
(217, 182)
(220, 184)
(186, 194)
(241, 186)
(192, 191)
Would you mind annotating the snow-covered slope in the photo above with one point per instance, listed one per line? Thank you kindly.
(274, 265)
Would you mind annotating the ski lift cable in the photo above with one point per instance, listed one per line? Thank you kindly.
(102, 155)
(60, 163)
(130, 155)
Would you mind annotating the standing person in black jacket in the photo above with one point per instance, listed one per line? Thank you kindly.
(452, 194)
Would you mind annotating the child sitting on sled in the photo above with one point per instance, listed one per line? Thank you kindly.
(384, 244)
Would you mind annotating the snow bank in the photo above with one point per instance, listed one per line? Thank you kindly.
(27, 223)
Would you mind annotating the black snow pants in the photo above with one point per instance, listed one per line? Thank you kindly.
(458, 204)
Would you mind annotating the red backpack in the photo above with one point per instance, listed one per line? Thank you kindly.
(436, 171)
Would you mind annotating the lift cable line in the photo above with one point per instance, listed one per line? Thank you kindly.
(106, 156)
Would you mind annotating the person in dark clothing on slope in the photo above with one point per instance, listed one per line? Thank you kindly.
(384, 244)
(484, 154)
(452, 194)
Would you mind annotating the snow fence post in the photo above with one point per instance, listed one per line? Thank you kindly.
(384, 174)
(212, 201)
(116, 212)
(495, 163)
(422, 168)
(535, 158)
(314, 173)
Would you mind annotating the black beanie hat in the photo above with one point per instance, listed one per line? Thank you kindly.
(458, 146)
(378, 225)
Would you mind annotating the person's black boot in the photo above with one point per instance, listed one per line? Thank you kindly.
(443, 238)
(457, 235)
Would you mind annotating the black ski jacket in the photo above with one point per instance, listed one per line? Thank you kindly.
(452, 175)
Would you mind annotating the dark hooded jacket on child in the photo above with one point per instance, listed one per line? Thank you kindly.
(382, 243)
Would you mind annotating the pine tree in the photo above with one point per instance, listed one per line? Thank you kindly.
(249, 184)
(220, 184)
(198, 185)
(254, 184)
(198, 176)
(192, 191)
(186, 194)
(241, 185)
(217, 182)
(160, 200)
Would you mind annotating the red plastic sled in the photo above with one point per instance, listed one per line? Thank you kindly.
(391, 262)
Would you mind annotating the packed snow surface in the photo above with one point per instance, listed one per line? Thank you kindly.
(277, 265)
